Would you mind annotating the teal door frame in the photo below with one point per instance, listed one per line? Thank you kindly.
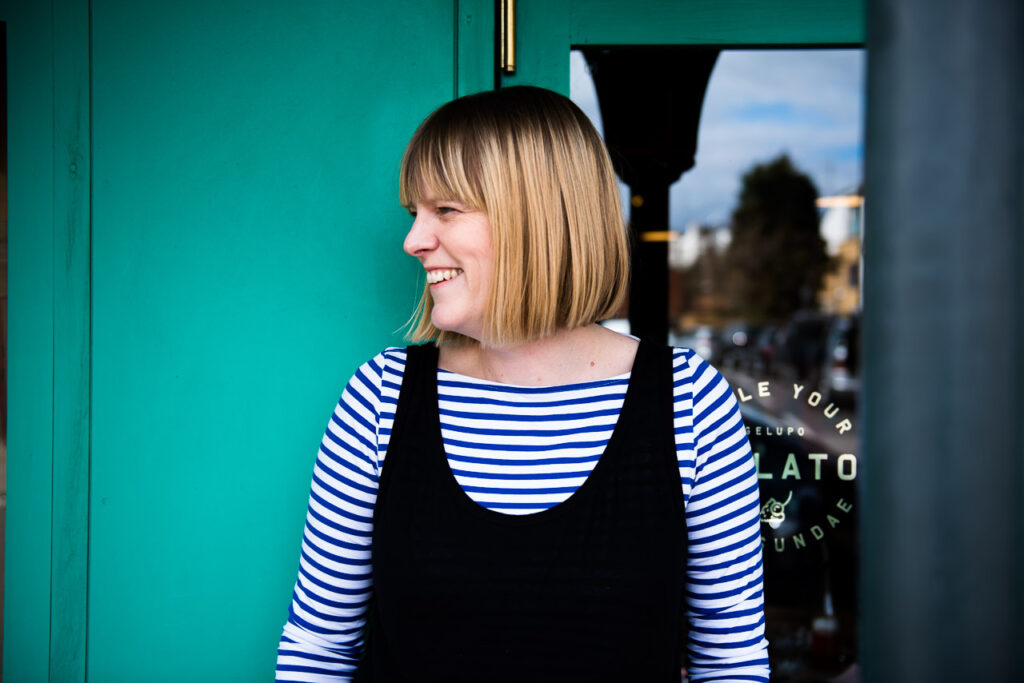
(546, 32)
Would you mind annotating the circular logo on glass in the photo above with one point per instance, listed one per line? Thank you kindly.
(804, 450)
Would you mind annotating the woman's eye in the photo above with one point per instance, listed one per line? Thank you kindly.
(442, 210)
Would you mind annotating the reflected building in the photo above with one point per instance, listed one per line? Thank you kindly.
(696, 274)
(842, 227)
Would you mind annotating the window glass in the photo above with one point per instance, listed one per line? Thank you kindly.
(764, 280)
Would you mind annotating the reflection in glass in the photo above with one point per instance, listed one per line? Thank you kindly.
(764, 273)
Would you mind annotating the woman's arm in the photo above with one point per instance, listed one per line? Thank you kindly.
(323, 637)
(724, 573)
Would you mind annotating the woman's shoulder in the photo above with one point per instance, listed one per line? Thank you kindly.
(376, 373)
(690, 368)
(686, 364)
(387, 365)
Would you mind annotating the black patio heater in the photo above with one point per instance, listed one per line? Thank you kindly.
(650, 99)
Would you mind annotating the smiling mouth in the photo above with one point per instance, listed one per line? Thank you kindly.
(442, 275)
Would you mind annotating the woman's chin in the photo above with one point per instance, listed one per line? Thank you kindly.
(445, 324)
(458, 327)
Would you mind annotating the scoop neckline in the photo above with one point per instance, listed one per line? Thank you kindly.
(582, 492)
(539, 388)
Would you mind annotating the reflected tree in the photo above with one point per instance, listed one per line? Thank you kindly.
(776, 259)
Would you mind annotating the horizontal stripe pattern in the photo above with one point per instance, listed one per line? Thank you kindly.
(519, 450)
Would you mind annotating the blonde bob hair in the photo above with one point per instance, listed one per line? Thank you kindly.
(532, 161)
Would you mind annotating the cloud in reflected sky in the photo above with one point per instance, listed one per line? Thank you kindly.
(759, 104)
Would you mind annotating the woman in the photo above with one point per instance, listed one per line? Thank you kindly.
(539, 498)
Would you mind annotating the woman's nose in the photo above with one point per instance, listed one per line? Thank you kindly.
(421, 238)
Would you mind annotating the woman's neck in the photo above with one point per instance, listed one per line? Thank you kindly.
(580, 355)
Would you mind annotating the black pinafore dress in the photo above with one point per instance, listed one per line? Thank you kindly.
(590, 590)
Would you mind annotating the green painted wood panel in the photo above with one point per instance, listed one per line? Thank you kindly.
(542, 45)
(71, 352)
(30, 340)
(717, 22)
(475, 51)
(547, 31)
(246, 258)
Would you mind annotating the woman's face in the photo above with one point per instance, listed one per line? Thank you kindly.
(453, 242)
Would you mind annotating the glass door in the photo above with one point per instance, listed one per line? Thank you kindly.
(737, 131)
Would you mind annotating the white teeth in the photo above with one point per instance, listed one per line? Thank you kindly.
(435, 276)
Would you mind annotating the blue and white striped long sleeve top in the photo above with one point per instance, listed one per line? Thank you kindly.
(519, 450)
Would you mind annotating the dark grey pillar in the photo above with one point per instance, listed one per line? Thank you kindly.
(943, 490)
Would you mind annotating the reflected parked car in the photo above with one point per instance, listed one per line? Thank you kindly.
(737, 343)
(763, 358)
(801, 345)
(701, 339)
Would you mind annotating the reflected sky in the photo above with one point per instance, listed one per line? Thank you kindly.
(759, 104)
